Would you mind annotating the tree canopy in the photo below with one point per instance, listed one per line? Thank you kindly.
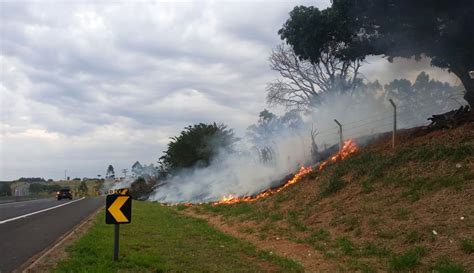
(196, 146)
(423, 94)
(270, 125)
(441, 30)
(110, 174)
(137, 169)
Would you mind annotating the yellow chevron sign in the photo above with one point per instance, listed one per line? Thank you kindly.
(118, 209)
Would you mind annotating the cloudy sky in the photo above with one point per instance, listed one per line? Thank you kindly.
(85, 84)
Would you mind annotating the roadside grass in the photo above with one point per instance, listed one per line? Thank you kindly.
(161, 240)
(376, 166)
(366, 239)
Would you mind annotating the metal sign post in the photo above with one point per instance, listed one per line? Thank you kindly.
(341, 142)
(118, 210)
(116, 242)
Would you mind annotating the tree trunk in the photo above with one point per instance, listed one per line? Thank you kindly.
(468, 83)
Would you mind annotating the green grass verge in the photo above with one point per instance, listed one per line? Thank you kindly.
(161, 240)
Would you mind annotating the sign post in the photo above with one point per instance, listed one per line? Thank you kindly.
(116, 242)
(118, 210)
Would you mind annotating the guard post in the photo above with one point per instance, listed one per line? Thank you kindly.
(118, 210)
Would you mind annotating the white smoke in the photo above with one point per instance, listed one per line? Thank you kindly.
(243, 174)
(238, 174)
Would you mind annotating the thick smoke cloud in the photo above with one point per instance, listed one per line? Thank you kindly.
(364, 115)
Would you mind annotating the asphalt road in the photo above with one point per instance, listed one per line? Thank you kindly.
(46, 220)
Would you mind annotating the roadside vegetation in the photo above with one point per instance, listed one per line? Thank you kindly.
(378, 210)
(161, 240)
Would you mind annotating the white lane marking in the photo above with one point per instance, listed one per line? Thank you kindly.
(19, 202)
(36, 212)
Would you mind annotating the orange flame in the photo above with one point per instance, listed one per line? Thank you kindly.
(231, 199)
(348, 148)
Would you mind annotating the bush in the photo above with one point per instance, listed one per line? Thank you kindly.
(5, 189)
(140, 188)
(196, 146)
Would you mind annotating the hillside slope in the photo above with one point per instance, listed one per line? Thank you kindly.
(411, 209)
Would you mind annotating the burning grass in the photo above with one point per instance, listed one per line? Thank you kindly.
(349, 147)
(373, 210)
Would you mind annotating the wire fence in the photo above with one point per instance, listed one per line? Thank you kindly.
(383, 121)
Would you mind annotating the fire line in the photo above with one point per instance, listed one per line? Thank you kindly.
(348, 148)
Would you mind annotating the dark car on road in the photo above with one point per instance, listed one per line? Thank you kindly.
(64, 193)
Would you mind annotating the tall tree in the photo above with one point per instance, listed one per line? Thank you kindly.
(137, 169)
(442, 30)
(270, 125)
(196, 146)
(5, 189)
(83, 189)
(304, 84)
(110, 174)
(423, 94)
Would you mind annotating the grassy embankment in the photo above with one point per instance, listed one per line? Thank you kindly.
(411, 209)
(161, 240)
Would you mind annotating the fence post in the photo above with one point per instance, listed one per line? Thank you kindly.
(394, 122)
(340, 135)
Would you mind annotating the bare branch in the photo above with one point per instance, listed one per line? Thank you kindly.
(303, 83)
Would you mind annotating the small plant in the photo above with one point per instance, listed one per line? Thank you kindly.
(333, 185)
(247, 230)
(276, 217)
(355, 265)
(346, 245)
(407, 260)
(413, 237)
(371, 249)
(373, 222)
(266, 228)
(402, 214)
(387, 234)
(295, 221)
(467, 246)
(352, 222)
(319, 235)
(367, 186)
(281, 197)
(444, 265)
(181, 207)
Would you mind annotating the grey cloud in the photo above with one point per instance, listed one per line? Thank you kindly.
(112, 81)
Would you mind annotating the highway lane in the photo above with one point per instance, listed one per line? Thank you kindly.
(13, 209)
(22, 238)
